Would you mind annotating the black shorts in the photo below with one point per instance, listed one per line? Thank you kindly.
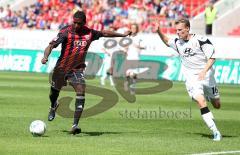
(209, 29)
(60, 78)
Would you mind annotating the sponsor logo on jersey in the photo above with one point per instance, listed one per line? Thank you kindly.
(80, 43)
(188, 52)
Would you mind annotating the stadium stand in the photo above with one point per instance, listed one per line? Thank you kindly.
(235, 32)
(54, 14)
(194, 7)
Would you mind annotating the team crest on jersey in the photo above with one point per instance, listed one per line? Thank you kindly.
(188, 52)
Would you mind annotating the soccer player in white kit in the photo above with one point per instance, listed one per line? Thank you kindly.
(108, 62)
(133, 56)
(197, 57)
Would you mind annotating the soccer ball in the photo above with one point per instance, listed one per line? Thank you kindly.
(37, 128)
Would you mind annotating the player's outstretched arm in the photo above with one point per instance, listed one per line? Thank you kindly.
(107, 33)
(163, 37)
(47, 52)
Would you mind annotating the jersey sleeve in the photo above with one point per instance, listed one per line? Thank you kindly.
(96, 35)
(207, 47)
(172, 43)
(59, 39)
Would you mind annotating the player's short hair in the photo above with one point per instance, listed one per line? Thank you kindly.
(80, 15)
(184, 21)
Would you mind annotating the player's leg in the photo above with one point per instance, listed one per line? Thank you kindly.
(79, 106)
(127, 80)
(111, 72)
(195, 90)
(208, 117)
(54, 93)
(106, 67)
(133, 82)
(110, 75)
(110, 78)
(216, 103)
(104, 74)
(213, 95)
(57, 82)
(78, 83)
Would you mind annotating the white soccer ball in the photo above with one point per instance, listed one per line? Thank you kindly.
(37, 128)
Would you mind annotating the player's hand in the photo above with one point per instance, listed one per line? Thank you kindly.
(201, 75)
(158, 28)
(44, 60)
(127, 33)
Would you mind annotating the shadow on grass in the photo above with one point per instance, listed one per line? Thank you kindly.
(210, 136)
(43, 136)
(100, 133)
(93, 133)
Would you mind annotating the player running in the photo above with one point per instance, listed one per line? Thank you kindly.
(197, 56)
(133, 52)
(75, 40)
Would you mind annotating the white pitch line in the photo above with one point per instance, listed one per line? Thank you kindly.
(223, 152)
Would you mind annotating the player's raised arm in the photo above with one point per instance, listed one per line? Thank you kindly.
(163, 37)
(107, 33)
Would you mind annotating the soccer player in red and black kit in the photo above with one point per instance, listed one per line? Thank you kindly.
(75, 40)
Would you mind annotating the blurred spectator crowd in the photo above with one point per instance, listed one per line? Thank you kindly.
(101, 14)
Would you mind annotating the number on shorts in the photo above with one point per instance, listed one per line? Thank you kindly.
(215, 90)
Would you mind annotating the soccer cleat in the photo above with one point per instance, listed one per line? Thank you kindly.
(51, 114)
(75, 130)
(217, 136)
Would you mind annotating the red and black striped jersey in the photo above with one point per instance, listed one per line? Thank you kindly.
(74, 47)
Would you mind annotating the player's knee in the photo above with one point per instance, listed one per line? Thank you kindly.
(80, 91)
(217, 106)
(216, 103)
(201, 101)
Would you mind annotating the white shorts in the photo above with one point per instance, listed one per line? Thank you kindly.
(207, 88)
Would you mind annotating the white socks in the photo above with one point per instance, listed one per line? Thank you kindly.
(209, 120)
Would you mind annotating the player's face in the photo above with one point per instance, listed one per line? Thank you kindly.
(78, 24)
(182, 31)
(134, 29)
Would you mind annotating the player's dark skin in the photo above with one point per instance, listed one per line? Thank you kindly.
(78, 27)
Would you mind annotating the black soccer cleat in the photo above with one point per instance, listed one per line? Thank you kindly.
(51, 114)
(75, 130)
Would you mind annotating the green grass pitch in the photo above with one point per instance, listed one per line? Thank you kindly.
(127, 128)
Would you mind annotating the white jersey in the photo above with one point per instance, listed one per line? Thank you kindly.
(133, 52)
(194, 53)
(110, 46)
